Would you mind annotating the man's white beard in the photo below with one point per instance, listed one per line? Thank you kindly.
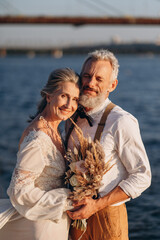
(92, 102)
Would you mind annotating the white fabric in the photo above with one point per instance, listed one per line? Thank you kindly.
(6, 211)
(36, 191)
(122, 144)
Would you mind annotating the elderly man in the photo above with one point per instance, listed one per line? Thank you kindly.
(121, 140)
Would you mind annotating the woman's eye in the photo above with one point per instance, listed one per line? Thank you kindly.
(63, 95)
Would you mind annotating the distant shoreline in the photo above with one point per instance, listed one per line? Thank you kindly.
(133, 48)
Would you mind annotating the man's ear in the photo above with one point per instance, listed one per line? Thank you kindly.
(113, 85)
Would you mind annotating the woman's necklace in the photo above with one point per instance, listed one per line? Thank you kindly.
(48, 126)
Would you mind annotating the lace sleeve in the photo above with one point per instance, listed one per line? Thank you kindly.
(30, 201)
(30, 164)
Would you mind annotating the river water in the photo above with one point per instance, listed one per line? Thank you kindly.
(138, 92)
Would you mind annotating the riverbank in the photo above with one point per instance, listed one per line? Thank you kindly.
(133, 48)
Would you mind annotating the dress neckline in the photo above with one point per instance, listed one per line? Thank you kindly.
(34, 131)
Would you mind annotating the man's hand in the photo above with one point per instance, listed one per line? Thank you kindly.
(88, 207)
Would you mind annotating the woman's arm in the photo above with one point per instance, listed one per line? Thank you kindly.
(30, 201)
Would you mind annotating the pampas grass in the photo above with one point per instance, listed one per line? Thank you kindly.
(85, 183)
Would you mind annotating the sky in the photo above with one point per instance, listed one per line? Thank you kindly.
(60, 35)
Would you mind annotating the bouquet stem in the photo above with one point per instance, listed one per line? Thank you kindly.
(80, 224)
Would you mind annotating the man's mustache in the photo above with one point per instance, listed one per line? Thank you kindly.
(88, 88)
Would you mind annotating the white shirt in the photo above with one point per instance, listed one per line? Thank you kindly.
(122, 144)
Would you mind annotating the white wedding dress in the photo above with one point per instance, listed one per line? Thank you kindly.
(38, 201)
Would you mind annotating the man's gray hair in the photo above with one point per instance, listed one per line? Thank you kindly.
(105, 55)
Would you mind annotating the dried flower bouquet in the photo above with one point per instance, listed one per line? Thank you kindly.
(86, 169)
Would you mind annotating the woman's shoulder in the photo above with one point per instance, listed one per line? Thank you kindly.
(34, 131)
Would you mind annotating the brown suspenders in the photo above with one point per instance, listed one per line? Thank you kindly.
(102, 122)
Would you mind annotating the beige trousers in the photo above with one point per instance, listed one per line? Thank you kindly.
(110, 223)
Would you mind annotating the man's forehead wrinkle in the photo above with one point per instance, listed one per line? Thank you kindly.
(91, 69)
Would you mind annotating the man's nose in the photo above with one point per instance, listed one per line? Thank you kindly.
(92, 81)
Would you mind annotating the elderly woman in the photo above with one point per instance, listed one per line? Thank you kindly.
(37, 194)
